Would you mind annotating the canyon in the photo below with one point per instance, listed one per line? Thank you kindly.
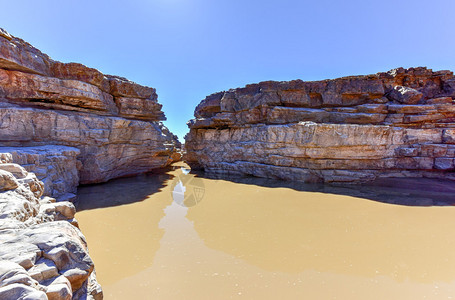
(61, 125)
(399, 123)
(64, 124)
(115, 123)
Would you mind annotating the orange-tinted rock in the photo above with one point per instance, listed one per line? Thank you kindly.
(145, 109)
(114, 129)
(15, 54)
(32, 89)
(80, 72)
(122, 87)
(397, 123)
(114, 122)
(69, 86)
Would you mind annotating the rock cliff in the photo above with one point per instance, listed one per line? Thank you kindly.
(64, 124)
(399, 123)
(56, 166)
(115, 123)
(43, 254)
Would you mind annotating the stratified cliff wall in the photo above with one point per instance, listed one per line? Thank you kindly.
(115, 123)
(64, 124)
(56, 166)
(399, 123)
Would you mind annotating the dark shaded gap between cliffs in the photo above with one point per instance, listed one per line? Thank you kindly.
(398, 191)
(121, 191)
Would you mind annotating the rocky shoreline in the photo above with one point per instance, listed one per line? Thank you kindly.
(56, 166)
(399, 123)
(43, 254)
(64, 124)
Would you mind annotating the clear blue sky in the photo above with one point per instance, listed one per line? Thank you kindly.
(188, 49)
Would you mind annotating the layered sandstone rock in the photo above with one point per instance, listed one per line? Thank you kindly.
(395, 124)
(56, 166)
(43, 254)
(115, 123)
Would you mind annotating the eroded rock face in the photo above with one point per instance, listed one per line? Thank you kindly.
(56, 166)
(395, 124)
(109, 146)
(43, 254)
(115, 123)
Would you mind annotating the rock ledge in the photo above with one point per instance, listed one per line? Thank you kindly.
(115, 123)
(399, 123)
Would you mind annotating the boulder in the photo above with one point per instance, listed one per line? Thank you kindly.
(7, 181)
(404, 95)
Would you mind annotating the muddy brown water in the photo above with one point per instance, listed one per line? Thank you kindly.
(179, 236)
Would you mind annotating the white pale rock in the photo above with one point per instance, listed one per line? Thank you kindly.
(43, 255)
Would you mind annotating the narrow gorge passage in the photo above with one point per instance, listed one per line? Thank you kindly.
(253, 241)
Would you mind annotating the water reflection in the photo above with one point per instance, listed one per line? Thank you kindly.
(400, 191)
(280, 229)
(260, 239)
(123, 237)
(121, 191)
(187, 190)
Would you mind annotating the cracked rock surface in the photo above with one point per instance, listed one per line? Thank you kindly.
(56, 166)
(43, 254)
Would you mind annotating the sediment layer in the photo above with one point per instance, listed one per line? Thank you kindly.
(56, 166)
(115, 123)
(399, 123)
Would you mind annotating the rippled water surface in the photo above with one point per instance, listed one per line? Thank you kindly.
(179, 236)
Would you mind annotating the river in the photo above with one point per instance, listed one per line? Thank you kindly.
(176, 235)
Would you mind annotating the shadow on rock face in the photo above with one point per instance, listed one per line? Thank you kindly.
(121, 191)
(399, 191)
